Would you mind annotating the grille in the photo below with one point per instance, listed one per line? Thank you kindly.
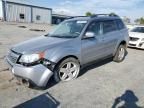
(134, 39)
(13, 57)
(132, 44)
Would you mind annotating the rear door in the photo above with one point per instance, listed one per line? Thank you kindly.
(110, 36)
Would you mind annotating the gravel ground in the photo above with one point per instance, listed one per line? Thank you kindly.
(104, 84)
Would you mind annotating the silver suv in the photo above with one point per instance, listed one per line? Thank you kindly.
(71, 45)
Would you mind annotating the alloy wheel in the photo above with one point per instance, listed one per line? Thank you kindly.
(121, 53)
(68, 71)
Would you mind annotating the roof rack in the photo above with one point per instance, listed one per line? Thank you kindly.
(95, 15)
(110, 15)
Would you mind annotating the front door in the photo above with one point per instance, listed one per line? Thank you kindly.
(92, 48)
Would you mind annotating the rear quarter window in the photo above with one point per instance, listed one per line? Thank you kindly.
(120, 24)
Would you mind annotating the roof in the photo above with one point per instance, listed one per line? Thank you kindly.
(95, 18)
(24, 4)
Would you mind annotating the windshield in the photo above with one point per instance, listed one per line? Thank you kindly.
(138, 29)
(68, 29)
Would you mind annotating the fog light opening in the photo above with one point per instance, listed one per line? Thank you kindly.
(141, 44)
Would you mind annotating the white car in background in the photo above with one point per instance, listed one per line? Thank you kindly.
(136, 36)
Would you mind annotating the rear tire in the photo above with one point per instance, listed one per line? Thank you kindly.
(120, 54)
(67, 70)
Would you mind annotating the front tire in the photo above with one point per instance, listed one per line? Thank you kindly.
(120, 54)
(67, 70)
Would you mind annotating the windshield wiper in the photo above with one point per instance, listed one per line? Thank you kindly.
(46, 35)
(57, 36)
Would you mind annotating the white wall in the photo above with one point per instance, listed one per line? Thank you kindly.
(45, 15)
(1, 10)
(13, 13)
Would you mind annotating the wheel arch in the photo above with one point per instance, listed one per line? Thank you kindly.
(123, 42)
(68, 56)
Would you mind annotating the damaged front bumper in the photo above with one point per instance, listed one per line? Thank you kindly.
(38, 75)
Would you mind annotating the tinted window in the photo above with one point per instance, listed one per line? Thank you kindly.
(138, 29)
(95, 28)
(120, 24)
(109, 26)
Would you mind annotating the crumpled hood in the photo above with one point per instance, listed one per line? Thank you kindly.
(38, 44)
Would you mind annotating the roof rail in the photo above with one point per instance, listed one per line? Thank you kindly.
(110, 15)
(95, 15)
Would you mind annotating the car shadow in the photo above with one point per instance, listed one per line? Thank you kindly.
(136, 48)
(129, 99)
(97, 64)
(51, 83)
(93, 65)
(43, 101)
(83, 70)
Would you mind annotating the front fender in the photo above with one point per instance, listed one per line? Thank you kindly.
(55, 55)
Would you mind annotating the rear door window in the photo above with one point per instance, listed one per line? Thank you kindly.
(109, 26)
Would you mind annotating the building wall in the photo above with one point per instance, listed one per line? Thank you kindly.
(18, 13)
(41, 15)
(1, 10)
